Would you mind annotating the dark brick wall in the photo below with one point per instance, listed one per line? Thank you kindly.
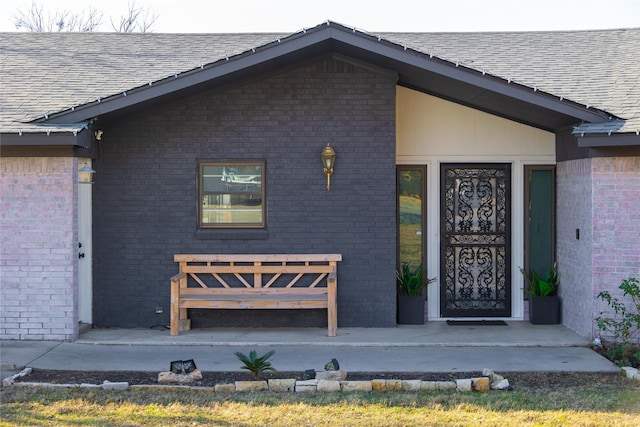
(145, 192)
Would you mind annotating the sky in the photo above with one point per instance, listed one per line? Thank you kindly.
(288, 16)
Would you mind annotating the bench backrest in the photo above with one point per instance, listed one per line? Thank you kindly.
(259, 271)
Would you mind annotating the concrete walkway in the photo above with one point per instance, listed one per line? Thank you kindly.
(434, 347)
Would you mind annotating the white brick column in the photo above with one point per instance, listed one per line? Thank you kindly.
(38, 256)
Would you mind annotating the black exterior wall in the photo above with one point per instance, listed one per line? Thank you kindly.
(145, 192)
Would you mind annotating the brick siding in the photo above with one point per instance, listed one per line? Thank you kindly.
(601, 197)
(616, 224)
(38, 265)
(574, 255)
(145, 192)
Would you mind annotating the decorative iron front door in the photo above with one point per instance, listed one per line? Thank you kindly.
(475, 233)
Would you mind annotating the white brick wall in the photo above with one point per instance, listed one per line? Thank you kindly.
(38, 256)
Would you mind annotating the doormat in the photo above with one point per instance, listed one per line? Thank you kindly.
(477, 323)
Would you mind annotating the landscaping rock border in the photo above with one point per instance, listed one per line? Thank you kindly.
(12, 379)
(287, 385)
(291, 385)
(631, 373)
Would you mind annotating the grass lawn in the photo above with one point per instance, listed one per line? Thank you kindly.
(589, 405)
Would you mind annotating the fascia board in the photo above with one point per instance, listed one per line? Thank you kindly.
(613, 140)
(53, 139)
(191, 78)
(330, 33)
(471, 77)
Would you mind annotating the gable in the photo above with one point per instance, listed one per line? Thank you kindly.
(505, 74)
(430, 126)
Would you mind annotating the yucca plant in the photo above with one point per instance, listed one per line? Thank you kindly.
(256, 365)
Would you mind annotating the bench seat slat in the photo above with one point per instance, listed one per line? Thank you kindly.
(256, 297)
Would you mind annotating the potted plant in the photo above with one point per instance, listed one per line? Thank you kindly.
(411, 295)
(544, 302)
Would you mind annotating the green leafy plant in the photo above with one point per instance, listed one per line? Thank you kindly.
(256, 365)
(538, 287)
(412, 282)
(622, 354)
(624, 325)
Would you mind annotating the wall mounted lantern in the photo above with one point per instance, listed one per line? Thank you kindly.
(328, 161)
(85, 174)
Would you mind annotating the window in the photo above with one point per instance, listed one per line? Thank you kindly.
(411, 203)
(231, 194)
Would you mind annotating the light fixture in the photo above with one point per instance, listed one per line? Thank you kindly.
(182, 366)
(85, 174)
(328, 161)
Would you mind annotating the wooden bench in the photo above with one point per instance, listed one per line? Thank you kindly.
(254, 282)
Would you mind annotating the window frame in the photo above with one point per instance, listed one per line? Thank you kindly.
(201, 164)
(423, 212)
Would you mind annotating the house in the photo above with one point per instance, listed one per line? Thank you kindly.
(474, 153)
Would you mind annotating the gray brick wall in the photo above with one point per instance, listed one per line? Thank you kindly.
(145, 192)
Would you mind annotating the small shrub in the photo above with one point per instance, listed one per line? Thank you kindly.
(624, 325)
(256, 365)
(622, 354)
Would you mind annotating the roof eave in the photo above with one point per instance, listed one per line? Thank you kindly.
(468, 76)
(52, 139)
(606, 140)
(332, 36)
(180, 82)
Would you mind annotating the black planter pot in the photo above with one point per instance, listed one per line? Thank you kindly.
(544, 310)
(411, 310)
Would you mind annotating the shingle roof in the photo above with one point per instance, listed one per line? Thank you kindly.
(42, 73)
(598, 68)
(45, 73)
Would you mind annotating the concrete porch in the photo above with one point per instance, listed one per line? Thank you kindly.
(431, 334)
(433, 347)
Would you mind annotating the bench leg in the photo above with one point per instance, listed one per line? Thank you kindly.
(175, 312)
(332, 309)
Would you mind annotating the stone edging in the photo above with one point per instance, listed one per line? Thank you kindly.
(480, 384)
(485, 383)
(630, 373)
